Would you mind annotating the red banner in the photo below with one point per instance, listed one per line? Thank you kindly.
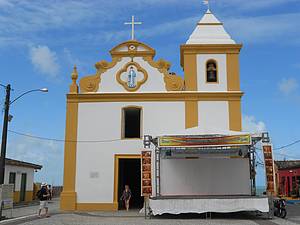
(269, 166)
(146, 173)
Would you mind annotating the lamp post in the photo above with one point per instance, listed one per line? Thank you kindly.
(5, 125)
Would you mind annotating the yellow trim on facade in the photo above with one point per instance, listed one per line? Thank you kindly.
(90, 83)
(68, 196)
(233, 72)
(157, 97)
(16, 196)
(132, 52)
(28, 196)
(191, 114)
(207, 49)
(235, 115)
(190, 72)
(74, 76)
(116, 172)
(97, 206)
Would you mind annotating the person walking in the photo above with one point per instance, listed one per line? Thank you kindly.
(50, 188)
(43, 195)
(126, 196)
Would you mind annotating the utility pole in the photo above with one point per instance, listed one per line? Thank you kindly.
(4, 133)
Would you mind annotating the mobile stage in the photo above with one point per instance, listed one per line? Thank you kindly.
(203, 173)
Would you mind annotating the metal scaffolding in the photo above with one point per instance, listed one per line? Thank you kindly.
(246, 151)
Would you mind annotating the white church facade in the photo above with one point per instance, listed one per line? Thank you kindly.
(109, 112)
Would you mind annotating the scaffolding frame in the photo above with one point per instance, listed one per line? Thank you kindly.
(251, 151)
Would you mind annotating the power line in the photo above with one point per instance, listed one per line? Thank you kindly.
(278, 153)
(113, 140)
(259, 159)
(288, 145)
(61, 140)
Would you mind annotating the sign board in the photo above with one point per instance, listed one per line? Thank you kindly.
(198, 141)
(146, 173)
(7, 195)
(269, 167)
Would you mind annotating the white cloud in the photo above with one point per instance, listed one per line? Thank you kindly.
(24, 22)
(5, 3)
(288, 86)
(278, 28)
(44, 61)
(250, 124)
(251, 5)
(49, 154)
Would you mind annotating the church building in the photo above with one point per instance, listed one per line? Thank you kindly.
(133, 95)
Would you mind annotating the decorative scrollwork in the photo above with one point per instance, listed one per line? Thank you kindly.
(91, 83)
(173, 82)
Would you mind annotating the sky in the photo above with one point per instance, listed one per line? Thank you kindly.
(40, 41)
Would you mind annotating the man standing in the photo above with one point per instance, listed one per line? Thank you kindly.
(43, 195)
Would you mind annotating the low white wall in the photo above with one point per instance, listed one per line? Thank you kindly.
(205, 177)
(19, 170)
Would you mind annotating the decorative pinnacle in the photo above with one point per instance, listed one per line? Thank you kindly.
(74, 75)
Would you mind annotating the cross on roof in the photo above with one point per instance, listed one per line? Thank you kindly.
(206, 2)
(132, 23)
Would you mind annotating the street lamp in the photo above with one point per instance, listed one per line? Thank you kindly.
(5, 124)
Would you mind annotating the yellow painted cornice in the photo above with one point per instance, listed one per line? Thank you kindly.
(132, 50)
(167, 96)
(208, 49)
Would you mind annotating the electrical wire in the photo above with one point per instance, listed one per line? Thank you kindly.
(113, 140)
(278, 153)
(259, 159)
(288, 145)
(61, 140)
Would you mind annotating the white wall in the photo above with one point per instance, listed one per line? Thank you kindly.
(205, 177)
(102, 121)
(222, 72)
(154, 83)
(213, 115)
(19, 170)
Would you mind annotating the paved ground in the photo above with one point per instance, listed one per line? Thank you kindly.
(133, 217)
(30, 210)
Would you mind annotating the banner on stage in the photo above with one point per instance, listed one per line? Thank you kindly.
(269, 167)
(146, 173)
(182, 141)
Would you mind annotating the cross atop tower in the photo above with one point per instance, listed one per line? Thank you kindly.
(132, 23)
(206, 2)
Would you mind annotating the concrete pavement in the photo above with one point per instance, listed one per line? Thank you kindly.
(27, 216)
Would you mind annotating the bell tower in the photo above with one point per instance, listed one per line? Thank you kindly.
(210, 60)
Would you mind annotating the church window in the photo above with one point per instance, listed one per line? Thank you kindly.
(131, 122)
(211, 71)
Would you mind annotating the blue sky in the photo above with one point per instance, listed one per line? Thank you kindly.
(40, 41)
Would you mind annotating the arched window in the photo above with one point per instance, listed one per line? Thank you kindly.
(211, 71)
(131, 122)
